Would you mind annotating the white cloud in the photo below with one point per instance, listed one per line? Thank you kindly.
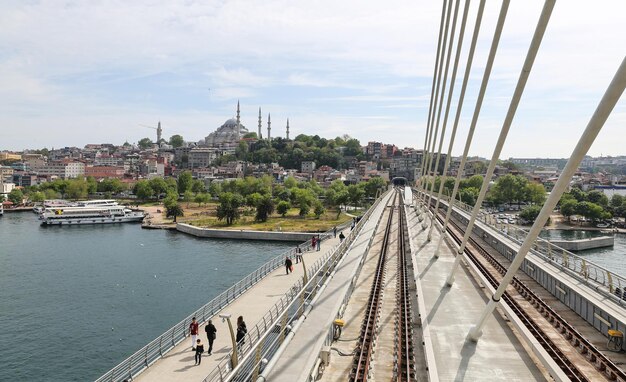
(63, 67)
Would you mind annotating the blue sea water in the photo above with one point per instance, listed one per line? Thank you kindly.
(75, 301)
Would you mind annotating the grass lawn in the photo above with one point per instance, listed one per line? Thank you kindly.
(205, 217)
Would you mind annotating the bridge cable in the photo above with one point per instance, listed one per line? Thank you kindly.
(432, 90)
(508, 120)
(439, 106)
(468, 68)
(599, 117)
(447, 112)
(434, 99)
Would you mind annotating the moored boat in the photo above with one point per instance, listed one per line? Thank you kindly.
(89, 215)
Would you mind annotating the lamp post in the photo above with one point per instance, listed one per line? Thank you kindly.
(234, 356)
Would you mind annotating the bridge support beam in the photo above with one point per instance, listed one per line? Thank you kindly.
(610, 98)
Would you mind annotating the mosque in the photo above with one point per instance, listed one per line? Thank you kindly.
(232, 131)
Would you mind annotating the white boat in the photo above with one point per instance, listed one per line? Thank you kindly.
(89, 215)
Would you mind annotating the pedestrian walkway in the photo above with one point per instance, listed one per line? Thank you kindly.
(178, 363)
(301, 353)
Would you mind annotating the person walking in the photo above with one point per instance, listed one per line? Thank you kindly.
(193, 330)
(241, 330)
(298, 254)
(335, 231)
(341, 236)
(199, 351)
(210, 335)
(319, 243)
(288, 265)
(313, 243)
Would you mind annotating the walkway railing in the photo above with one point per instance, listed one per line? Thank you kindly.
(268, 334)
(610, 284)
(149, 354)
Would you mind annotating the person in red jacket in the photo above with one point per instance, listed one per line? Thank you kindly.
(193, 330)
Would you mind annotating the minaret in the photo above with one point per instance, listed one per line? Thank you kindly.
(238, 121)
(159, 131)
(269, 128)
(287, 137)
(260, 135)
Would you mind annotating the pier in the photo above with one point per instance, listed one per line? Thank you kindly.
(582, 244)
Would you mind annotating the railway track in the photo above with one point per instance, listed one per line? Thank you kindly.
(493, 271)
(404, 364)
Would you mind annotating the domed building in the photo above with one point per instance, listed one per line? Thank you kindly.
(227, 135)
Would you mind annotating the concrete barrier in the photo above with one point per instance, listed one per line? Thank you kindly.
(582, 244)
(244, 234)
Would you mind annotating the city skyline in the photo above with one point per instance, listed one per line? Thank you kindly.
(80, 74)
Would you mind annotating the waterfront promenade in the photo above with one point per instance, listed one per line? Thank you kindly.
(178, 363)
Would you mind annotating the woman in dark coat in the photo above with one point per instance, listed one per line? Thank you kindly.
(241, 329)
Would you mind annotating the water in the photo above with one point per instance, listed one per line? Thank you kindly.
(611, 258)
(75, 301)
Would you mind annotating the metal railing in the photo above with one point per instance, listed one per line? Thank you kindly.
(156, 349)
(606, 282)
(267, 335)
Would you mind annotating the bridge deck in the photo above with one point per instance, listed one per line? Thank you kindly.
(179, 364)
(301, 353)
(451, 312)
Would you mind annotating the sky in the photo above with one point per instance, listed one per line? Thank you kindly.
(79, 72)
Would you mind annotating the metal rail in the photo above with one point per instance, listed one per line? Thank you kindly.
(567, 261)
(405, 362)
(577, 340)
(365, 345)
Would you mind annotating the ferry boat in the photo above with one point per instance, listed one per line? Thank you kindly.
(89, 215)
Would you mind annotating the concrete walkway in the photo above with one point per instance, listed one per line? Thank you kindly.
(451, 312)
(178, 364)
(300, 355)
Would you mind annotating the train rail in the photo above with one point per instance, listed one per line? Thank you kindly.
(403, 359)
(405, 363)
(582, 346)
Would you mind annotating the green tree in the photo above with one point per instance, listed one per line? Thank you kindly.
(215, 189)
(568, 208)
(228, 208)
(617, 200)
(188, 197)
(469, 195)
(283, 207)
(37, 197)
(159, 186)
(174, 210)
(356, 192)
(290, 182)
(198, 186)
(202, 198)
(590, 210)
(264, 208)
(144, 143)
(16, 196)
(185, 181)
(176, 141)
(530, 213)
(318, 209)
(535, 193)
(143, 190)
(598, 197)
(77, 189)
(92, 185)
(50, 193)
(373, 185)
